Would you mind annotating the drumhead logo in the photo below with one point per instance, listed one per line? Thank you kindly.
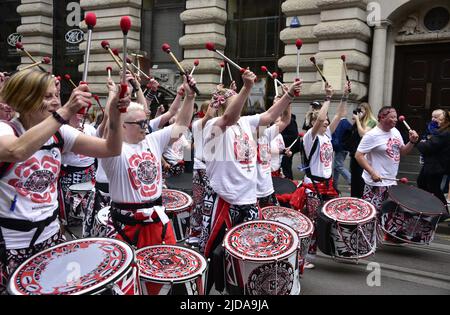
(13, 39)
(74, 36)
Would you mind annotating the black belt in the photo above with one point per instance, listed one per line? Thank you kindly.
(136, 206)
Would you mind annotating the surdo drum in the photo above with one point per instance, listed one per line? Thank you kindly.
(86, 266)
(178, 207)
(299, 222)
(80, 196)
(168, 269)
(347, 228)
(261, 258)
(100, 227)
(411, 214)
(283, 187)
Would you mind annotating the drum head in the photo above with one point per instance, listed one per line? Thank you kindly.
(261, 241)
(299, 222)
(168, 263)
(349, 210)
(78, 267)
(102, 215)
(416, 200)
(82, 187)
(175, 200)
(283, 186)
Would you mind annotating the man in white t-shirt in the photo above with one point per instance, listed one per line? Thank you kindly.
(135, 177)
(379, 155)
(230, 152)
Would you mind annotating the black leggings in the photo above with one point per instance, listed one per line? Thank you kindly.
(357, 183)
(432, 184)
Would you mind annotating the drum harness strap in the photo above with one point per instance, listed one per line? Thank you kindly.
(119, 218)
(25, 225)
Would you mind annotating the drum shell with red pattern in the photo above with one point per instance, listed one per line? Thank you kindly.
(91, 266)
(347, 228)
(170, 270)
(178, 206)
(296, 220)
(411, 215)
(261, 258)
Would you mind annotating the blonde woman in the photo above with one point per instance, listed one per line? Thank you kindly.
(31, 149)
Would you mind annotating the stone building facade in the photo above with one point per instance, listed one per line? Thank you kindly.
(395, 49)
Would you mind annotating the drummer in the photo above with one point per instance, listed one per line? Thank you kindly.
(135, 177)
(31, 147)
(318, 156)
(230, 155)
(264, 187)
(379, 155)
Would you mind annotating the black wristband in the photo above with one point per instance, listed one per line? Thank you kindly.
(59, 119)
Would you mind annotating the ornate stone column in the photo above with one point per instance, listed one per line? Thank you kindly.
(377, 73)
(205, 22)
(37, 29)
(109, 13)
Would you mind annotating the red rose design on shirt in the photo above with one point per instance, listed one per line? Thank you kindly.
(36, 179)
(264, 156)
(144, 173)
(326, 154)
(177, 147)
(244, 149)
(393, 149)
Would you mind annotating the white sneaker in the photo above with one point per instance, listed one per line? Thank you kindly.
(309, 265)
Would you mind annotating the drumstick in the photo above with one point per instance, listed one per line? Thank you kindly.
(344, 58)
(403, 180)
(402, 119)
(68, 78)
(211, 47)
(222, 68)
(138, 69)
(300, 135)
(45, 60)
(229, 72)
(166, 48)
(109, 71)
(298, 44)
(90, 19)
(97, 99)
(271, 75)
(125, 25)
(106, 46)
(275, 80)
(19, 45)
(313, 60)
(196, 63)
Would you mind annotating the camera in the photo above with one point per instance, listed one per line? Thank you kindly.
(357, 111)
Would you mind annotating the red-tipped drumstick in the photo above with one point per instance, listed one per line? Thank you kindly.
(402, 180)
(298, 44)
(138, 69)
(222, 69)
(211, 47)
(344, 60)
(275, 79)
(313, 60)
(45, 60)
(196, 63)
(166, 48)
(109, 71)
(68, 78)
(300, 135)
(402, 119)
(91, 19)
(264, 69)
(229, 72)
(125, 25)
(106, 46)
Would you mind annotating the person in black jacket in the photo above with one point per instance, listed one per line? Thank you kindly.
(436, 156)
(289, 135)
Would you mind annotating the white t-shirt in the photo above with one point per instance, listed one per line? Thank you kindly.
(277, 145)
(100, 175)
(34, 184)
(154, 123)
(79, 160)
(136, 176)
(231, 160)
(321, 163)
(382, 151)
(264, 185)
(174, 154)
(197, 134)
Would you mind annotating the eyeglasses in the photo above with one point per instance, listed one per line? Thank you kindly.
(141, 123)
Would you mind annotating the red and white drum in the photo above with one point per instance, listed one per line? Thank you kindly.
(85, 266)
(261, 258)
(299, 222)
(101, 227)
(347, 228)
(178, 208)
(169, 269)
(80, 196)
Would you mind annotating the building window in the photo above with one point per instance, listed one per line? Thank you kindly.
(10, 20)
(253, 40)
(437, 19)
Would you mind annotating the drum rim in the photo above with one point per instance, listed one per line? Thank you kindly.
(179, 280)
(365, 220)
(74, 189)
(95, 289)
(178, 209)
(414, 210)
(282, 256)
(300, 235)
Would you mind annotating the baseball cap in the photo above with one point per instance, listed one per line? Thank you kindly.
(316, 104)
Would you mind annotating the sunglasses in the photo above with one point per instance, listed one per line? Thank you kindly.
(141, 123)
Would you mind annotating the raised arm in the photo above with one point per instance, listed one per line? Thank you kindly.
(341, 110)
(174, 107)
(277, 109)
(323, 111)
